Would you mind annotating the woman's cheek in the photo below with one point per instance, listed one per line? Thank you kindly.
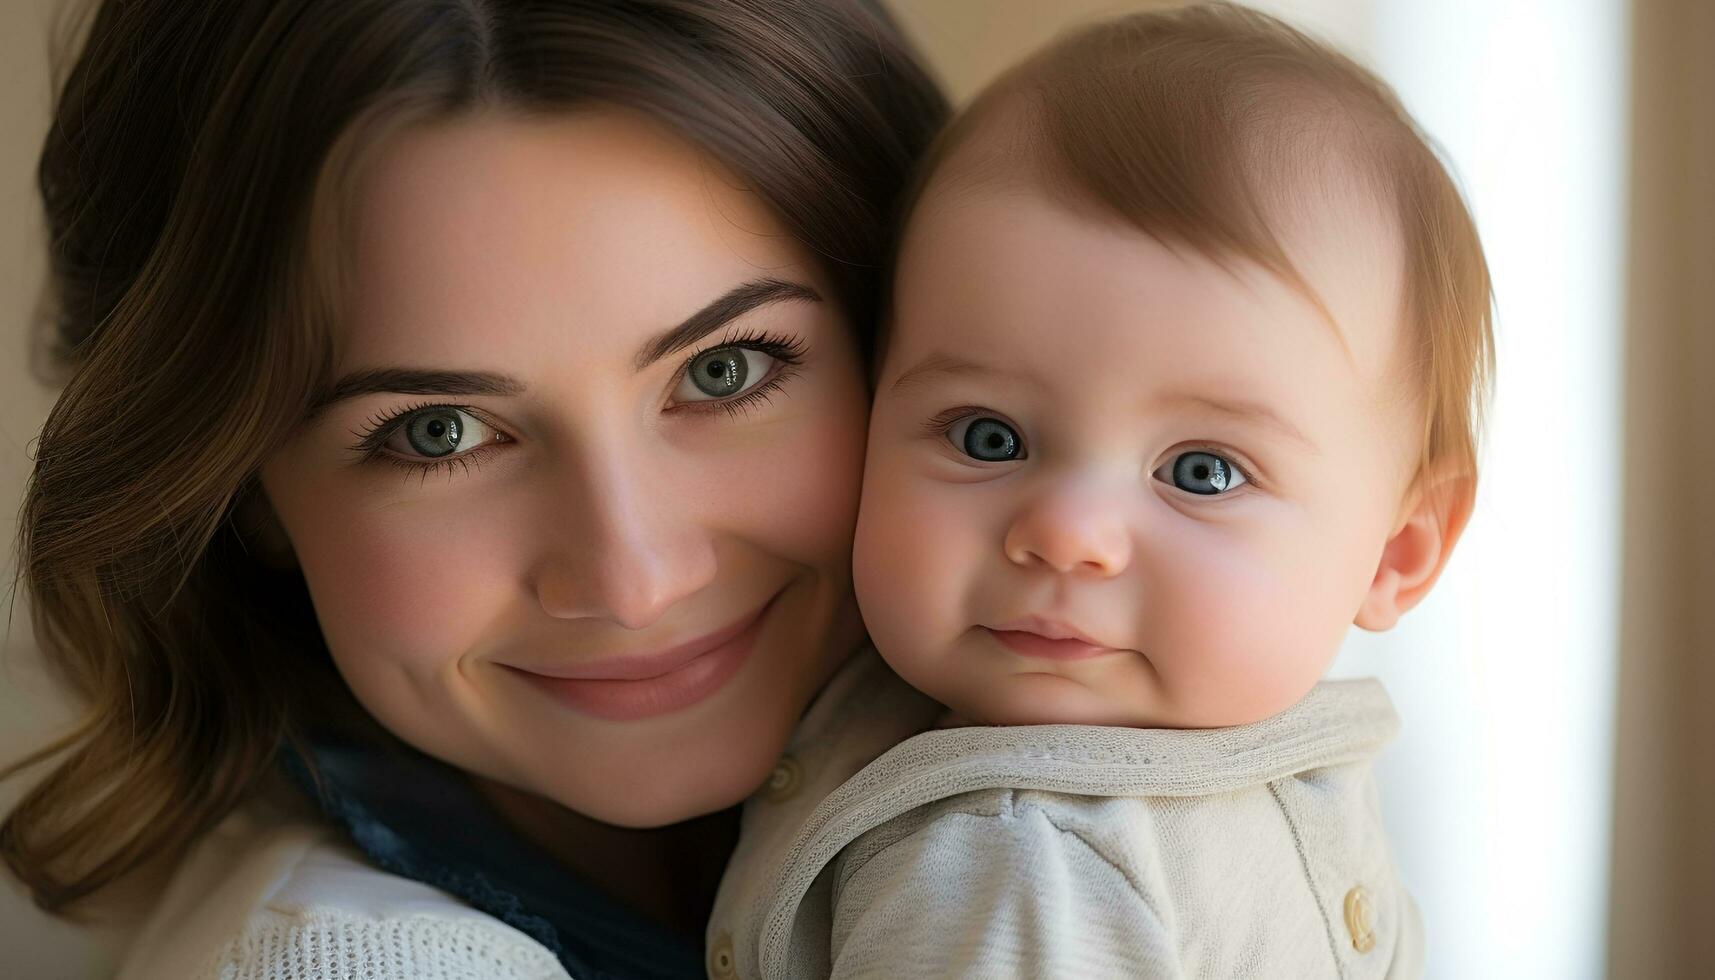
(804, 491)
(790, 481)
(409, 589)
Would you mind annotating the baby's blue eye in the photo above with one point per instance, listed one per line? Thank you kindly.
(1204, 474)
(987, 439)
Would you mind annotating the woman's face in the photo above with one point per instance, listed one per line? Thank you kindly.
(578, 517)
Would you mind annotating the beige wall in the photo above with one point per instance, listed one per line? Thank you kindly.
(970, 41)
(34, 945)
(1664, 816)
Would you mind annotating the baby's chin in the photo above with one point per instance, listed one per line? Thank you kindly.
(1052, 699)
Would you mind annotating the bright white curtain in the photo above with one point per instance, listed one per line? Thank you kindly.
(1498, 791)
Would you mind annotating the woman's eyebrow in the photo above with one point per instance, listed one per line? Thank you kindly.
(414, 381)
(734, 303)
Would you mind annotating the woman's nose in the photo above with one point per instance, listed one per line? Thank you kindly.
(1071, 531)
(623, 545)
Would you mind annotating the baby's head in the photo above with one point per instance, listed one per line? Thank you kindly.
(1189, 336)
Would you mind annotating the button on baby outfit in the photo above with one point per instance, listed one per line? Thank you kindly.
(722, 964)
(1361, 919)
(783, 782)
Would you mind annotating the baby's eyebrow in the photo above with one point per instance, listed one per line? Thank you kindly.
(1239, 410)
(939, 365)
(943, 365)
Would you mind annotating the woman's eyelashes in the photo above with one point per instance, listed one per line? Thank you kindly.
(434, 433)
(733, 377)
(426, 438)
(738, 374)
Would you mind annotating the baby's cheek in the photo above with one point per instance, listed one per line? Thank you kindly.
(916, 552)
(1240, 632)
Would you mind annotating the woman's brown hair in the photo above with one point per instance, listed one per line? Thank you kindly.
(191, 181)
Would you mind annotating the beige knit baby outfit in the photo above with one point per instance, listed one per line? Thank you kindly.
(1066, 850)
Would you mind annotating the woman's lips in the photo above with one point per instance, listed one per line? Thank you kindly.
(1048, 641)
(644, 686)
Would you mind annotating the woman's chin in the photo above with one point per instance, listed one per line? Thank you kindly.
(674, 793)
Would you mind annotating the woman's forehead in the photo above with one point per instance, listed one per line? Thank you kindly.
(518, 229)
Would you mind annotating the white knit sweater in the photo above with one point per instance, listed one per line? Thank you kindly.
(273, 894)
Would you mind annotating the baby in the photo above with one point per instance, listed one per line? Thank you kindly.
(1188, 333)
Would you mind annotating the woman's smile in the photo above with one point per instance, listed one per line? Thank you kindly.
(642, 685)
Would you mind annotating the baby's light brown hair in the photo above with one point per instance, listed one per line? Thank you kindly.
(1197, 125)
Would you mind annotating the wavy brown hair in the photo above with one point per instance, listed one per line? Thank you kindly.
(192, 181)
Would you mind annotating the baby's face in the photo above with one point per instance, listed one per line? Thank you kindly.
(1113, 483)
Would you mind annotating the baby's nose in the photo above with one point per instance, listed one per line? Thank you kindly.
(1071, 533)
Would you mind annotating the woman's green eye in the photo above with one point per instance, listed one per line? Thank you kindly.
(438, 432)
(723, 372)
(987, 439)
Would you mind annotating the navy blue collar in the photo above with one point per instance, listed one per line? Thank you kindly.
(419, 818)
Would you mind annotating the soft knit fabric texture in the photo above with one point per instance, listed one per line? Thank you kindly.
(318, 944)
(275, 893)
(1062, 850)
(419, 818)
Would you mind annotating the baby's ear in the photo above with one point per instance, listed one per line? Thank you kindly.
(1437, 510)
